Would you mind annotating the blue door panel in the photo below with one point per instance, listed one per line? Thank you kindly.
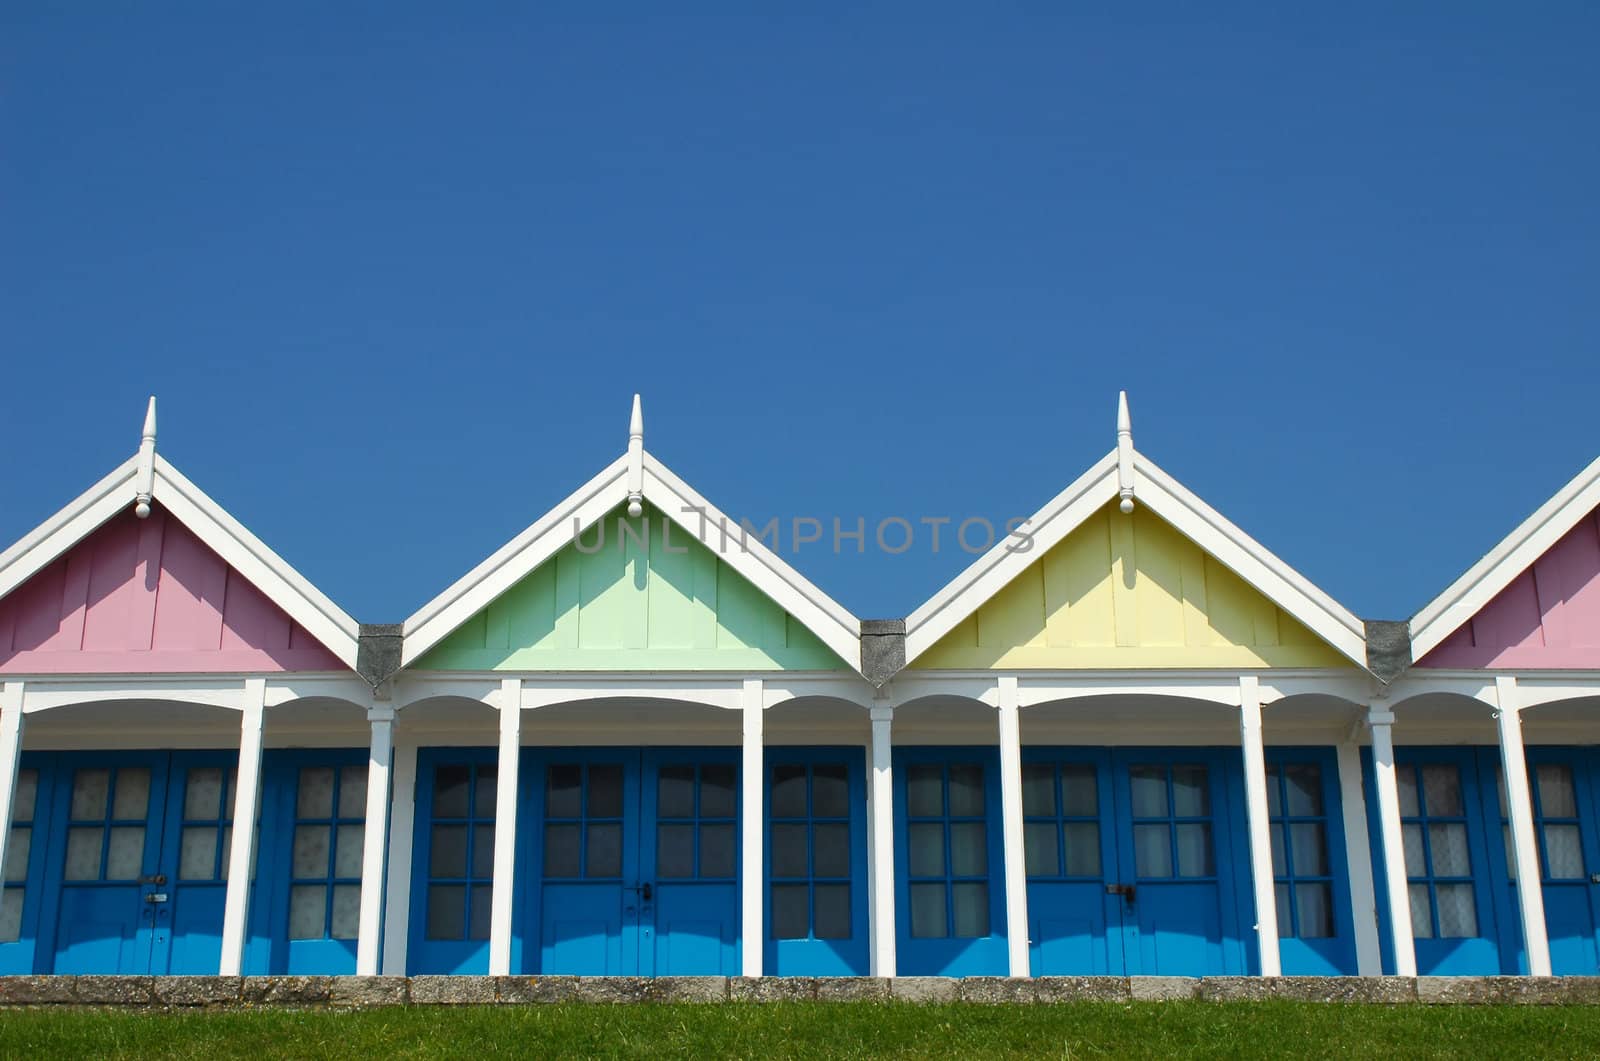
(1313, 940)
(21, 950)
(689, 925)
(1069, 932)
(450, 890)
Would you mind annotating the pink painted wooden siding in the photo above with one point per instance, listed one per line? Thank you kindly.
(146, 596)
(1548, 617)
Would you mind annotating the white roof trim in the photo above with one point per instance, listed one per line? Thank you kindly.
(830, 621)
(1484, 580)
(208, 521)
(1170, 500)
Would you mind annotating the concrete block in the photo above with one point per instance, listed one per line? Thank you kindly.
(924, 989)
(852, 989)
(772, 988)
(113, 990)
(35, 990)
(364, 992)
(1163, 988)
(287, 990)
(1081, 989)
(452, 990)
(197, 990)
(610, 989)
(688, 989)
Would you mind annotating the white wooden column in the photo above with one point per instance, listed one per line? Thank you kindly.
(505, 827)
(1394, 854)
(1259, 824)
(1530, 886)
(397, 901)
(1358, 852)
(246, 799)
(1016, 866)
(374, 841)
(882, 834)
(10, 757)
(752, 869)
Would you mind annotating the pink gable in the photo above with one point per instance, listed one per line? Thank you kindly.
(146, 596)
(1548, 617)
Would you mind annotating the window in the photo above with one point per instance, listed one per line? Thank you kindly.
(810, 851)
(947, 837)
(696, 811)
(1061, 819)
(1555, 822)
(1171, 821)
(18, 849)
(583, 821)
(1300, 864)
(461, 851)
(106, 827)
(329, 829)
(1433, 832)
(207, 835)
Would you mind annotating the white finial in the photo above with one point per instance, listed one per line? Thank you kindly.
(636, 459)
(1124, 453)
(145, 481)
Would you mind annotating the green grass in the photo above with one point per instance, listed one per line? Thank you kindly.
(947, 1032)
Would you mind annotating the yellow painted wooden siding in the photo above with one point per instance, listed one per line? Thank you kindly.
(1128, 591)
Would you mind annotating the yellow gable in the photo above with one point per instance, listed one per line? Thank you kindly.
(1127, 591)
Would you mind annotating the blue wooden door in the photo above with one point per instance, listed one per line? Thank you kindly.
(1316, 927)
(22, 892)
(1070, 843)
(453, 860)
(690, 851)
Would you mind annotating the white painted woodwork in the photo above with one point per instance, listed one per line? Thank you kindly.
(1124, 454)
(246, 800)
(374, 841)
(1358, 860)
(1394, 856)
(752, 818)
(1514, 768)
(505, 828)
(882, 876)
(1011, 827)
(397, 902)
(1259, 825)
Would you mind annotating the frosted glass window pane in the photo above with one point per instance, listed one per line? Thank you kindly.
(926, 840)
(716, 850)
(830, 790)
(1441, 790)
(1038, 789)
(202, 793)
(675, 792)
(830, 850)
(352, 798)
(1149, 784)
(447, 911)
(1080, 791)
(197, 855)
(83, 853)
(26, 793)
(311, 851)
(1421, 912)
(1304, 784)
(1315, 900)
(347, 851)
(833, 911)
(1563, 852)
(971, 908)
(307, 911)
(928, 911)
(1279, 867)
(563, 791)
(1152, 850)
(1039, 847)
(482, 908)
(485, 782)
(17, 853)
(447, 857)
(125, 852)
(789, 850)
(1411, 841)
(10, 915)
(483, 850)
(791, 911)
(602, 857)
(1556, 798)
(674, 851)
(89, 791)
(346, 911)
(561, 850)
(1280, 893)
(450, 787)
(717, 791)
(969, 855)
(1458, 911)
(788, 796)
(966, 790)
(1406, 782)
(315, 799)
(1191, 795)
(133, 793)
(1447, 841)
(1194, 849)
(924, 791)
(1274, 800)
(605, 791)
(1082, 841)
(1310, 842)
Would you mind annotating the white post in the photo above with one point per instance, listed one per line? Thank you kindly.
(1016, 866)
(246, 798)
(505, 827)
(1530, 886)
(752, 869)
(397, 904)
(1358, 851)
(883, 926)
(1394, 854)
(1259, 825)
(10, 757)
(374, 841)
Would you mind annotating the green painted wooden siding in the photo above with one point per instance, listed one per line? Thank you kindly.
(637, 603)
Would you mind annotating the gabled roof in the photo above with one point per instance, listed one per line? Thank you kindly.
(1484, 580)
(148, 476)
(1130, 475)
(635, 476)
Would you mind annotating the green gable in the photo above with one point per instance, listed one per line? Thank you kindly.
(638, 595)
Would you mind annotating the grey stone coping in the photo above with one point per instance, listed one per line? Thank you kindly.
(359, 992)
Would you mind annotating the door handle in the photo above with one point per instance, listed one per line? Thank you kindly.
(1124, 890)
(155, 897)
(154, 878)
(644, 890)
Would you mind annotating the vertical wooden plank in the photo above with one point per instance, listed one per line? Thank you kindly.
(1159, 590)
(497, 624)
(1014, 617)
(1197, 630)
(1087, 582)
(74, 600)
(147, 580)
(569, 594)
(531, 611)
(636, 600)
(670, 587)
(703, 625)
(111, 585)
(1124, 579)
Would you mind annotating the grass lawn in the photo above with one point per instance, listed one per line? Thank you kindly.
(808, 1029)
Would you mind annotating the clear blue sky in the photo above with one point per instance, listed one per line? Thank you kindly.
(395, 271)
